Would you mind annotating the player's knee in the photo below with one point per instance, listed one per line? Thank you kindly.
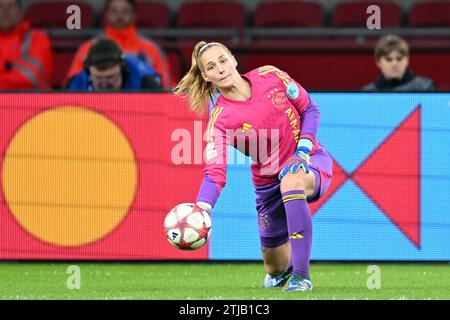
(292, 182)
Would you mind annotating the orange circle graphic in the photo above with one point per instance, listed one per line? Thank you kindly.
(69, 176)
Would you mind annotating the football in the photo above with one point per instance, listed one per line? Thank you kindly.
(187, 226)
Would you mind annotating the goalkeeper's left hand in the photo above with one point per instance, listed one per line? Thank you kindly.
(205, 206)
(300, 160)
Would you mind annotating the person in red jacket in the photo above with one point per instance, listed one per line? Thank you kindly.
(25, 53)
(120, 26)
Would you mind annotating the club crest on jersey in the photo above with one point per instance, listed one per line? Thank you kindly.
(277, 97)
(263, 220)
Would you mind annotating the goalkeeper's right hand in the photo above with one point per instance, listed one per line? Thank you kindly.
(205, 206)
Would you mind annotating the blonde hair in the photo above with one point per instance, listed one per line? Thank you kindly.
(193, 85)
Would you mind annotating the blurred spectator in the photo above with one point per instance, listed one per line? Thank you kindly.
(106, 68)
(120, 26)
(392, 58)
(25, 53)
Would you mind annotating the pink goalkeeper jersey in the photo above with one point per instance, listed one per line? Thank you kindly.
(266, 127)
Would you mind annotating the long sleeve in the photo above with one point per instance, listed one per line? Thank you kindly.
(306, 108)
(216, 158)
(78, 60)
(32, 69)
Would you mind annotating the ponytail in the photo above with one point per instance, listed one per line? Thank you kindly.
(193, 85)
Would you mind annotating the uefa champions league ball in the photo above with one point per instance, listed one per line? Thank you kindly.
(187, 226)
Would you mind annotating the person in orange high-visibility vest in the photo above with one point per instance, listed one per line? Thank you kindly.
(25, 53)
(120, 27)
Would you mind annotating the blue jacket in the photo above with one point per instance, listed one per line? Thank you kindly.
(135, 73)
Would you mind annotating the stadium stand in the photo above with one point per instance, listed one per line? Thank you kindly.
(430, 14)
(52, 14)
(324, 45)
(202, 14)
(353, 14)
(270, 14)
(152, 15)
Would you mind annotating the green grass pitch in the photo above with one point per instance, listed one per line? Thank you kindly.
(223, 281)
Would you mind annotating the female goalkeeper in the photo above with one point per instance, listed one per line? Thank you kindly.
(263, 107)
